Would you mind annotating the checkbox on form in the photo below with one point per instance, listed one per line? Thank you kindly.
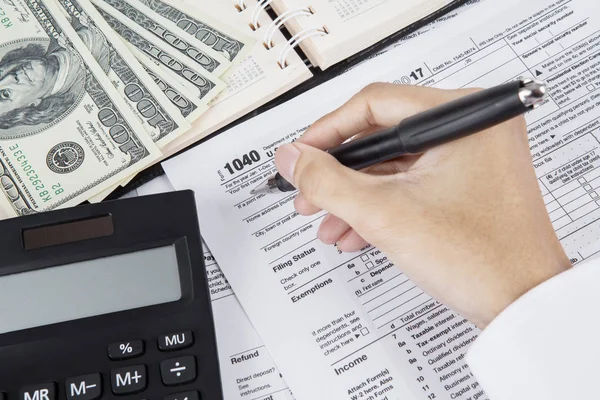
(594, 194)
(364, 257)
(582, 180)
(364, 331)
(590, 88)
(588, 188)
(370, 265)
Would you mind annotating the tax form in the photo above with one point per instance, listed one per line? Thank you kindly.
(247, 369)
(352, 326)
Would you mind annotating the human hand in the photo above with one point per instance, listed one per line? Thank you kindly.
(465, 221)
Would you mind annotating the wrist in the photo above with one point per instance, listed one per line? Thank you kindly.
(521, 280)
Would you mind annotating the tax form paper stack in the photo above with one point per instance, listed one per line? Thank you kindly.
(352, 326)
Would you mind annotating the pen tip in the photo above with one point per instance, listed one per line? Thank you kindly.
(260, 188)
(266, 186)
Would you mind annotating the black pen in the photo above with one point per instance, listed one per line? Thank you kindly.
(414, 135)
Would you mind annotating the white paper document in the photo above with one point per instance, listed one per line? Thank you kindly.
(352, 326)
(247, 369)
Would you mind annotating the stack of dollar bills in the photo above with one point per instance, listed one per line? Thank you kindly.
(93, 91)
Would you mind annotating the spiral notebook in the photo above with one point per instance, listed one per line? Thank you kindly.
(329, 31)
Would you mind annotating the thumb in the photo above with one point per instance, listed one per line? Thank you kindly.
(323, 181)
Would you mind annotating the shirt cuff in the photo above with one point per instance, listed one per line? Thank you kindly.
(543, 346)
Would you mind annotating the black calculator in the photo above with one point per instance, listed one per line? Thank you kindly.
(107, 301)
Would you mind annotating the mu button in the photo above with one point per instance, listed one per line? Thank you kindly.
(128, 379)
(175, 341)
(178, 370)
(86, 387)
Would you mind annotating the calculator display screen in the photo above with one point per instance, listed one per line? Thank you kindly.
(89, 288)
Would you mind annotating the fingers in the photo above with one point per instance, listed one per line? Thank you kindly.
(324, 182)
(377, 105)
(304, 207)
(351, 241)
(332, 229)
(336, 231)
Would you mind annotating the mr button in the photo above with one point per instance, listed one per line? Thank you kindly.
(175, 341)
(43, 391)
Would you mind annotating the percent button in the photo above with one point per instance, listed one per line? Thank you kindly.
(125, 350)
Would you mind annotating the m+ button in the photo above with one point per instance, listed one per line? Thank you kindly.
(128, 380)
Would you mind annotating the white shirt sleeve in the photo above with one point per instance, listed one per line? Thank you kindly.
(545, 345)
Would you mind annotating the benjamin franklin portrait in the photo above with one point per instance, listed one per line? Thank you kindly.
(41, 81)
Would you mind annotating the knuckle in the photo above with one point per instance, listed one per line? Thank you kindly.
(374, 87)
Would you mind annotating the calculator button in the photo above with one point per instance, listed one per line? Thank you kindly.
(124, 350)
(42, 391)
(178, 370)
(86, 387)
(184, 396)
(176, 341)
(128, 380)
(2, 396)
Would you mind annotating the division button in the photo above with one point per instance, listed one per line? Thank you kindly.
(128, 380)
(86, 387)
(184, 396)
(178, 370)
(41, 391)
(176, 341)
(125, 350)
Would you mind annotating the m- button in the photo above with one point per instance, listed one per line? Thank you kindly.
(42, 391)
(86, 387)
(176, 341)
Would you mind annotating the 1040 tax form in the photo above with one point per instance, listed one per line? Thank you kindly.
(352, 326)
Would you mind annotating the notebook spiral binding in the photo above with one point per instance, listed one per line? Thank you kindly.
(278, 23)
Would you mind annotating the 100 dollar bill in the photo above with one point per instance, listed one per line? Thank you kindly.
(144, 97)
(189, 106)
(65, 131)
(163, 30)
(203, 84)
(194, 23)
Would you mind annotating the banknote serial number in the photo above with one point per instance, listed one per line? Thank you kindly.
(33, 178)
(5, 19)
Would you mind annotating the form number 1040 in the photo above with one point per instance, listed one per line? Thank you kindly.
(238, 164)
